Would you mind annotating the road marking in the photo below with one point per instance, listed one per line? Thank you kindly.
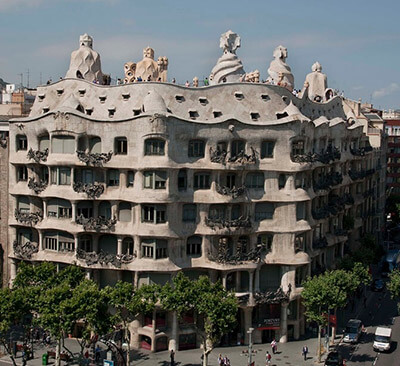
(352, 352)
(376, 359)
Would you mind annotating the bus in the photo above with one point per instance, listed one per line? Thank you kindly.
(391, 262)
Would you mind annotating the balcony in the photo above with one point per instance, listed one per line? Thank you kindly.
(218, 223)
(37, 187)
(37, 156)
(361, 151)
(329, 155)
(28, 218)
(93, 190)
(25, 251)
(233, 192)
(94, 159)
(327, 181)
(320, 243)
(273, 297)
(218, 156)
(225, 257)
(96, 223)
(221, 157)
(103, 258)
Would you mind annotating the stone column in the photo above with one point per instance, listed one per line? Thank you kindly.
(238, 281)
(13, 270)
(74, 206)
(283, 338)
(136, 279)
(224, 275)
(174, 333)
(76, 244)
(119, 246)
(41, 241)
(88, 273)
(247, 323)
(114, 209)
(251, 286)
(136, 246)
(257, 280)
(44, 209)
(123, 178)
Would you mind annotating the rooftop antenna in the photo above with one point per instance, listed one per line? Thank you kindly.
(22, 79)
(28, 77)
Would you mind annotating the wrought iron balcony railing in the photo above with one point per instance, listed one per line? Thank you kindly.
(221, 157)
(30, 218)
(224, 256)
(218, 223)
(94, 159)
(25, 251)
(93, 190)
(95, 223)
(103, 258)
(273, 297)
(37, 187)
(37, 156)
(233, 192)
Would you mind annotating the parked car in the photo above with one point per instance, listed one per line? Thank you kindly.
(382, 340)
(353, 330)
(377, 285)
(334, 359)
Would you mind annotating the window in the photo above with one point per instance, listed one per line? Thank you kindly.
(264, 211)
(155, 179)
(237, 147)
(193, 246)
(182, 180)
(217, 212)
(155, 214)
(300, 276)
(105, 210)
(189, 213)
(300, 211)
(281, 181)
(154, 248)
(60, 175)
(63, 144)
(236, 212)
(22, 173)
(265, 240)
(298, 148)
(87, 176)
(59, 241)
(267, 149)
(299, 243)
(125, 212)
(59, 208)
(23, 204)
(230, 180)
(127, 246)
(22, 142)
(130, 178)
(255, 180)
(113, 178)
(44, 143)
(121, 146)
(154, 147)
(95, 145)
(85, 243)
(201, 181)
(85, 208)
(196, 149)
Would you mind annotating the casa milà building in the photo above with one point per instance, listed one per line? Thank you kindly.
(241, 181)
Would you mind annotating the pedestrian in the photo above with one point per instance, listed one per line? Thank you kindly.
(268, 358)
(206, 83)
(304, 352)
(97, 353)
(187, 84)
(173, 81)
(220, 360)
(274, 346)
(172, 357)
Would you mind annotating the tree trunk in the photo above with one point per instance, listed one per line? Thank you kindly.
(334, 330)
(10, 352)
(205, 358)
(58, 351)
(128, 349)
(206, 351)
(319, 344)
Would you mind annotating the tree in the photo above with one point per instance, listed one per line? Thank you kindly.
(208, 300)
(129, 303)
(361, 273)
(394, 286)
(14, 307)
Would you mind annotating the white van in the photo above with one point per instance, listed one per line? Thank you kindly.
(382, 339)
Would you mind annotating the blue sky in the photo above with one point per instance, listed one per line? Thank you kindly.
(357, 42)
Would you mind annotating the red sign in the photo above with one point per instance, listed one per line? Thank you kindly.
(332, 320)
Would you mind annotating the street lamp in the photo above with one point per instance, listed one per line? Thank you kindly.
(249, 332)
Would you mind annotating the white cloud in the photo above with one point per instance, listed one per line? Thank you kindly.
(387, 90)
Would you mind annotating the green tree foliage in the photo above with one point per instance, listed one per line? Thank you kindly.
(361, 273)
(14, 307)
(394, 286)
(210, 301)
(128, 303)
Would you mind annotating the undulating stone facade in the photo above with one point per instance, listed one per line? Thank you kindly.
(243, 182)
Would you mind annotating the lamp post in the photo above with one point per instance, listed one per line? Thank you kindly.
(249, 332)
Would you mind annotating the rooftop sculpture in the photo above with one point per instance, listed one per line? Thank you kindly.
(317, 83)
(147, 69)
(85, 62)
(279, 71)
(229, 68)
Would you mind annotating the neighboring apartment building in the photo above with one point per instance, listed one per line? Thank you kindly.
(392, 119)
(242, 182)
